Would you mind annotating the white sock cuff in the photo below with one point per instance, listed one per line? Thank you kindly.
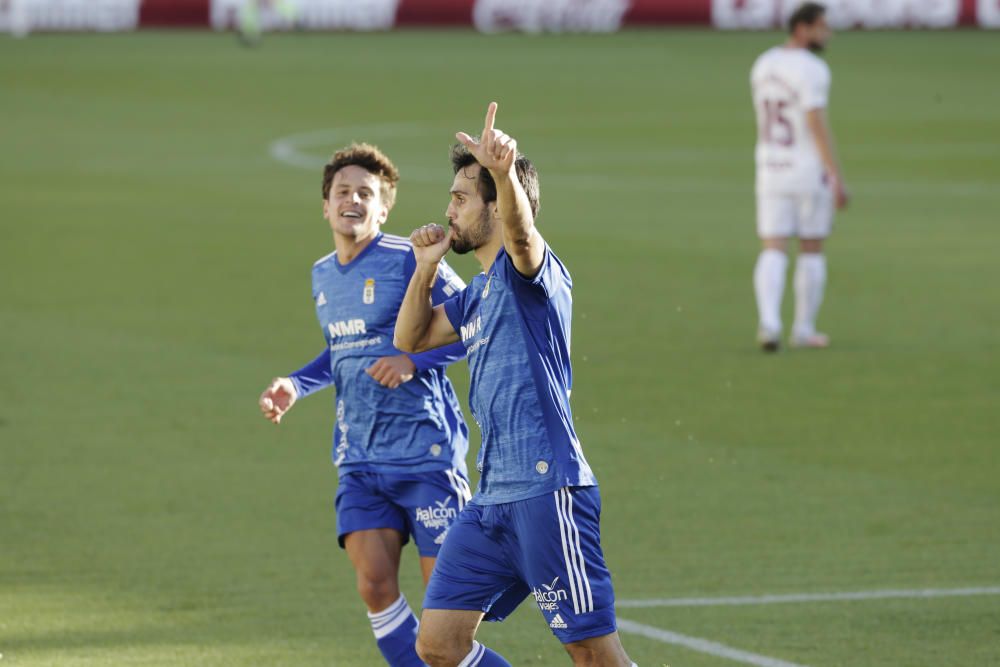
(390, 610)
(475, 655)
(386, 622)
(772, 265)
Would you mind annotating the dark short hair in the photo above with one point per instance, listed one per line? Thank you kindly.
(369, 158)
(527, 176)
(807, 12)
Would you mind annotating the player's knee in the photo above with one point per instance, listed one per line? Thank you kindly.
(378, 592)
(774, 243)
(437, 651)
(811, 245)
(426, 649)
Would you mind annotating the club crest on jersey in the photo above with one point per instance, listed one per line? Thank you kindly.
(368, 296)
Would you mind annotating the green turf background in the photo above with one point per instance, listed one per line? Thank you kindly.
(155, 264)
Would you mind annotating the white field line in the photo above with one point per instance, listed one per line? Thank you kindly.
(702, 645)
(918, 593)
(310, 150)
(290, 150)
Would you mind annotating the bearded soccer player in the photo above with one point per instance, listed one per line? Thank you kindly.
(533, 526)
(798, 178)
(399, 439)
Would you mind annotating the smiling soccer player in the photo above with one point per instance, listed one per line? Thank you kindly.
(399, 439)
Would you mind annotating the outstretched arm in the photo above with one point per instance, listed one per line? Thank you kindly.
(281, 394)
(497, 152)
(277, 399)
(420, 327)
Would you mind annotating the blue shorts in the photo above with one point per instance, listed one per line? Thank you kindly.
(548, 547)
(423, 505)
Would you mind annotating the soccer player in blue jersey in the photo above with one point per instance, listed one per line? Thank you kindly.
(532, 528)
(399, 440)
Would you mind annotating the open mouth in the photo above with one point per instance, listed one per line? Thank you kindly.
(351, 214)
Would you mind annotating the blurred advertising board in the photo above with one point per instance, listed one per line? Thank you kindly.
(533, 16)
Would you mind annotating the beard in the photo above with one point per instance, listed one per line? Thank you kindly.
(460, 246)
(476, 237)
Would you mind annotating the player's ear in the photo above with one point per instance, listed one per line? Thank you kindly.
(495, 210)
(326, 209)
(383, 215)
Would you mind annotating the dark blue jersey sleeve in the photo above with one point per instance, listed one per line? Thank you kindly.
(447, 283)
(439, 357)
(313, 376)
(551, 278)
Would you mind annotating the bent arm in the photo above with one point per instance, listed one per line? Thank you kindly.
(497, 152)
(420, 327)
(313, 376)
(520, 237)
(438, 357)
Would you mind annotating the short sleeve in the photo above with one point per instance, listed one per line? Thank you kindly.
(446, 285)
(551, 277)
(817, 87)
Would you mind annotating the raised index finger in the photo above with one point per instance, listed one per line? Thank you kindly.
(491, 114)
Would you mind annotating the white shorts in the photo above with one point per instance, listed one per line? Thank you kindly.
(805, 216)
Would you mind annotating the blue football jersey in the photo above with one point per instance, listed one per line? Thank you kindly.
(414, 428)
(516, 331)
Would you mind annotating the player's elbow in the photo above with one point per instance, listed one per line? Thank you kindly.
(405, 343)
(522, 245)
(521, 235)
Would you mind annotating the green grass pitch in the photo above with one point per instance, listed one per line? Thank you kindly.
(155, 261)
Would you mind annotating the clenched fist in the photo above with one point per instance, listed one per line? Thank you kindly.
(430, 243)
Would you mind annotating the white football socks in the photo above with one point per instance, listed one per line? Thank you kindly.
(480, 656)
(769, 285)
(810, 281)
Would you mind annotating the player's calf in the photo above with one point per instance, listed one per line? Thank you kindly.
(606, 651)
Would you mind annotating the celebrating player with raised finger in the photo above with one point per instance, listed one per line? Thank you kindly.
(532, 528)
